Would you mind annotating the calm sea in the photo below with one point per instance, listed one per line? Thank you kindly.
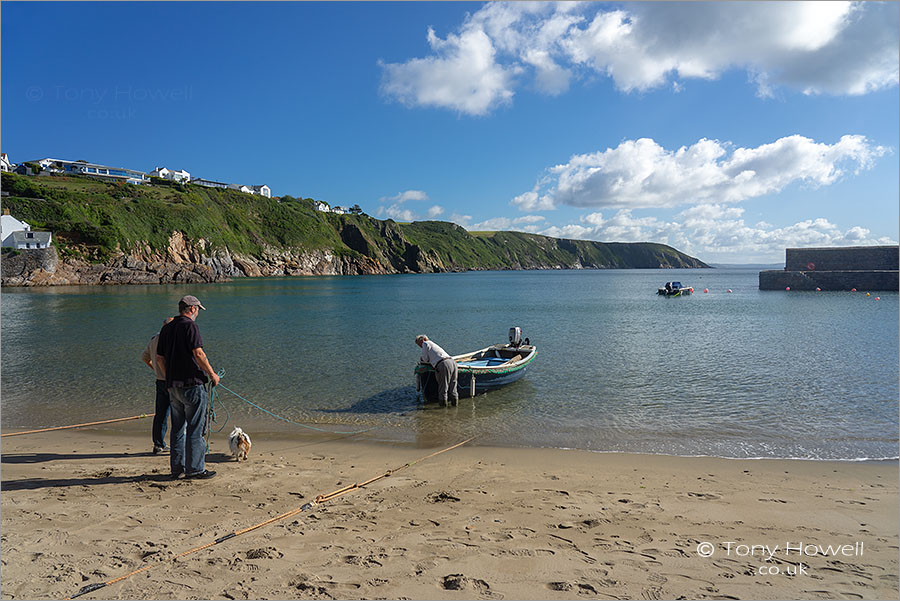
(743, 373)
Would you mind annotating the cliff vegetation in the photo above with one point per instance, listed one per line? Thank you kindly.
(161, 230)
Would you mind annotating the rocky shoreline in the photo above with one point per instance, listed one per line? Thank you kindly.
(45, 268)
(187, 261)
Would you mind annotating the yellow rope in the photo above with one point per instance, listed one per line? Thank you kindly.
(106, 421)
(318, 500)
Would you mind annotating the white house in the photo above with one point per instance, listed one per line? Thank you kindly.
(262, 190)
(240, 188)
(5, 165)
(339, 210)
(208, 183)
(181, 176)
(104, 172)
(8, 225)
(323, 206)
(17, 234)
(26, 240)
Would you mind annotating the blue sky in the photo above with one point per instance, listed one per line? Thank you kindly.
(728, 130)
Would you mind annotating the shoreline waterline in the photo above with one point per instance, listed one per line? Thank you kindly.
(141, 436)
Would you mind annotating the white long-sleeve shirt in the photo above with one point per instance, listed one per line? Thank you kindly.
(432, 353)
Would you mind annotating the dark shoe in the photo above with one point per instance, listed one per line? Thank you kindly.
(177, 475)
(204, 475)
(158, 450)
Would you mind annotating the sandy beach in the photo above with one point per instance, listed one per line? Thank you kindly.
(87, 506)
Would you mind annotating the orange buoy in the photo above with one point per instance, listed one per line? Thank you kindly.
(867, 294)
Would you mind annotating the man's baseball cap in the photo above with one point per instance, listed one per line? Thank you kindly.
(192, 301)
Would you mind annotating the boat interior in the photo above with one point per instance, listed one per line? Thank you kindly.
(495, 356)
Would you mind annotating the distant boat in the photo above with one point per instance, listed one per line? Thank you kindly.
(483, 370)
(675, 289)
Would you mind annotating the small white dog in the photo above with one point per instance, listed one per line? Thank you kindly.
(239, 443)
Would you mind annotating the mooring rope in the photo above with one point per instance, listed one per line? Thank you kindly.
(106, 421)
(211, 416)
(275, 415)
(312, 504)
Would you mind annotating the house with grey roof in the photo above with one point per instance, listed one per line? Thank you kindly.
(17, 234)
(27, 240)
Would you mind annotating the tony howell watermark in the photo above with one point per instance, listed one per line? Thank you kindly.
(789, 552)
(788, 549)
(117, 94)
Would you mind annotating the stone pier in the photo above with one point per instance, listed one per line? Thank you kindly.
(865, 268)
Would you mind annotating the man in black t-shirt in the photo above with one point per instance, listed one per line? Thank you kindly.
(179, 353)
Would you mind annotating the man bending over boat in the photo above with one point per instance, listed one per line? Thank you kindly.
(444, 367)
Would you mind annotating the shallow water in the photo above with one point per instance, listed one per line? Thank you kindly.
(739, 374)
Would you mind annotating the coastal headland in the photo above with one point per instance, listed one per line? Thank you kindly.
(83, 507)
(108, 233)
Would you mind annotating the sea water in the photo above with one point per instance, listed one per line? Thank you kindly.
(735, 372)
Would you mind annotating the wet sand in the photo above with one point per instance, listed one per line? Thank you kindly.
(86, 506)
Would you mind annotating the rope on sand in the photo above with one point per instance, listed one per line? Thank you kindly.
(312, 504)
(106, 421)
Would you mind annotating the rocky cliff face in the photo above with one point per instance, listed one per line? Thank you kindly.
(183, 262)
(380, 251)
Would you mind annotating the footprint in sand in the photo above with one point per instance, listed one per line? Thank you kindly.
(442, 497)
(460, 582)
(265, 553)
(703, 495)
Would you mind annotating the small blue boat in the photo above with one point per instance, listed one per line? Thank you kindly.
(483, 370)
(675, 289)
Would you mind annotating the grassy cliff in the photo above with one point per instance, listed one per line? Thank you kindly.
(96, 220)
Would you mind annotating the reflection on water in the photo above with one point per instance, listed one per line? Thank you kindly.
(738, 374)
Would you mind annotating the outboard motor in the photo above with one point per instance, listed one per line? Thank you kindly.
(515, 337)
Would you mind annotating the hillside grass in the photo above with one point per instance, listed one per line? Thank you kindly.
(94, 220)
(82, 212)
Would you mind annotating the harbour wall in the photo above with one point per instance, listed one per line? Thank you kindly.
(861, 267)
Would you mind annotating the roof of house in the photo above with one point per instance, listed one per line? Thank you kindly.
(21, 236)
(8, 223)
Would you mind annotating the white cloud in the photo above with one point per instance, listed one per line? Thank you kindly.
(395, 209)
(462, 75)
(641, 173)
(462, 220)
(813, 47)
(402, 197)
(523, 223)
(398, 213)
(715, 233)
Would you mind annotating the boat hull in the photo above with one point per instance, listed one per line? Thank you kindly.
(481, 374)
(680, 292)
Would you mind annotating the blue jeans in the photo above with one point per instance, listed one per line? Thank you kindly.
(161, 417)
(189, 408)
